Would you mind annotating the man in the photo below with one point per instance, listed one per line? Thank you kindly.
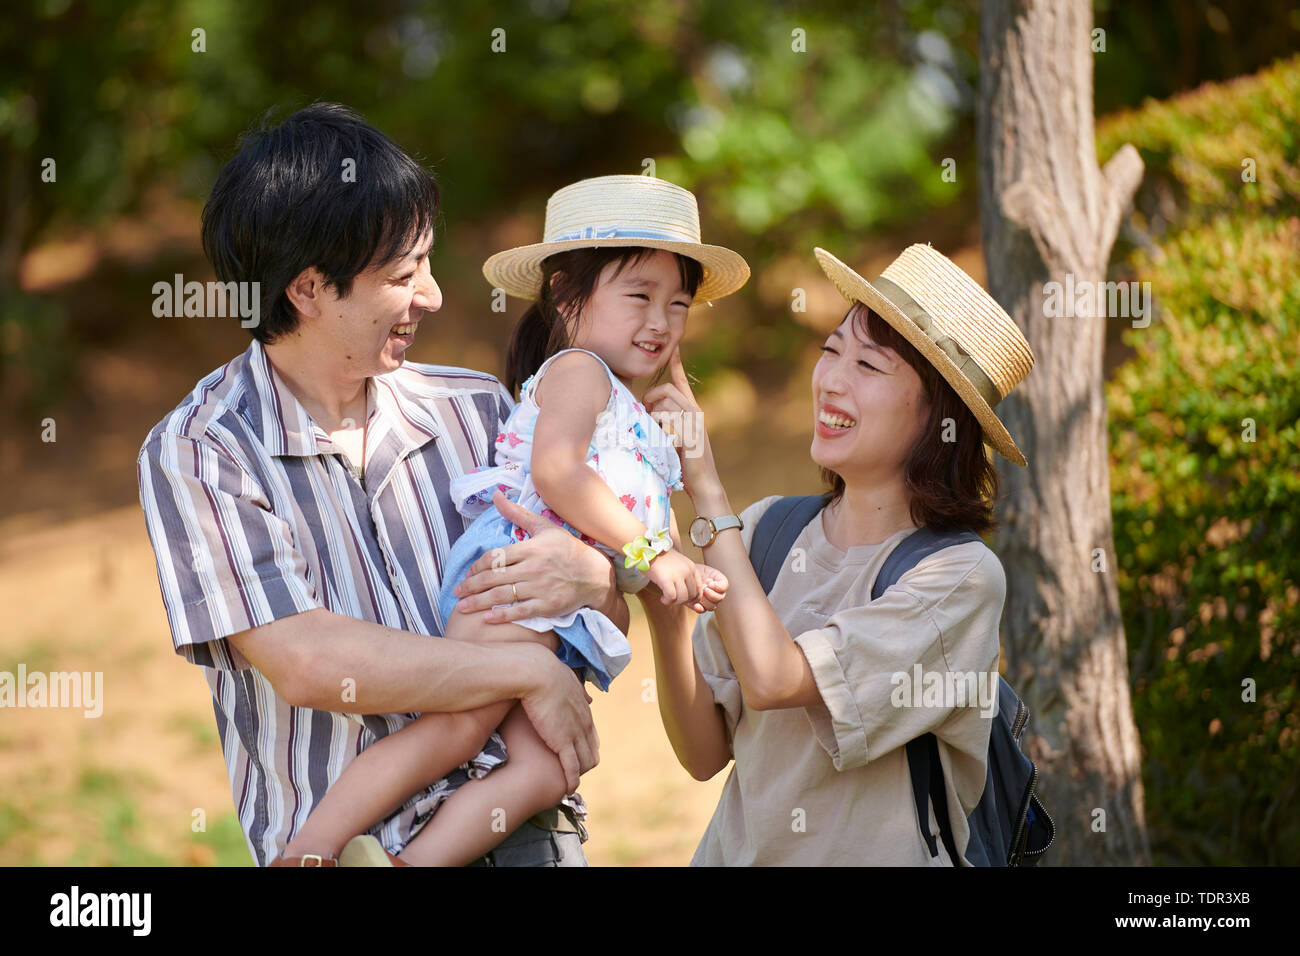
(297, 500)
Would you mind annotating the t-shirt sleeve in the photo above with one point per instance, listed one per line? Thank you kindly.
(888, 672)
(711, 654)
(226, 562)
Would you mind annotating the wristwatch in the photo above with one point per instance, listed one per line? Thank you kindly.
(704, 530)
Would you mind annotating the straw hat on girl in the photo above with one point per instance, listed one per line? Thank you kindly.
(953, 322)
(619, 211)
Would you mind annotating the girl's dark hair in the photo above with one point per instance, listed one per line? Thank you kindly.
(322, 189)
(548, 326)
(953, 484)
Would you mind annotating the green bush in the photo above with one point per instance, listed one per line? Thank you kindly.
(1205, 469)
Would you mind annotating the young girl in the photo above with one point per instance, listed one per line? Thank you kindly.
(612, 284)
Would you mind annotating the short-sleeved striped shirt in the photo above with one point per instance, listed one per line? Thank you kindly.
(255, 515)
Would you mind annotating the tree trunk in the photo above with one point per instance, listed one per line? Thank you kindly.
(1048, 213)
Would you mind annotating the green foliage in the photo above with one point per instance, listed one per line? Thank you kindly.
(785, 148)
(1205, 438)
(1199, 143)
(35, 357)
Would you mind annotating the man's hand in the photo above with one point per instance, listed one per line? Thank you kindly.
(559, 708)
(551, 574)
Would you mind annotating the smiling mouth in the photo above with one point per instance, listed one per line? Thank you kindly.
(649, 348)
(408, 329)
(830, 420)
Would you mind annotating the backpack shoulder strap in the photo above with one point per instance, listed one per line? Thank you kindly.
(777, 531)
(927, 781)
(912, 550)
(923, 753)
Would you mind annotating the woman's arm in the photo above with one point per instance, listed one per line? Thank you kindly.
(695, 724)
(771, 668)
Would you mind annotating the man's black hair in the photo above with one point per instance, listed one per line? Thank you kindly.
(322, 189)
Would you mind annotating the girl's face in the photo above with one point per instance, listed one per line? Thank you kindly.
(635, 319)
(869, 406)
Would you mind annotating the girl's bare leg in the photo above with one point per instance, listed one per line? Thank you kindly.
(482, 813)
(384, 776)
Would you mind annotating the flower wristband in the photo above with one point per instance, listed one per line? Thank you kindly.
(641, 551)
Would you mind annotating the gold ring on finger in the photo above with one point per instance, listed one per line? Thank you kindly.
(516, 590)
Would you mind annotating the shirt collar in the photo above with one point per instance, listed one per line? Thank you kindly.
(396, 411)
(287, 428)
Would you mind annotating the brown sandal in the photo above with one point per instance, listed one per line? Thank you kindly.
(307, 859)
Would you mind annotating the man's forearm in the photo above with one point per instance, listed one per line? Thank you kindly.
(326, 661)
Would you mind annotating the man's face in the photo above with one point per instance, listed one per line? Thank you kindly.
(373, 327)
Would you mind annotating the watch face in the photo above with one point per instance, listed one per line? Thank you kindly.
(701, 533)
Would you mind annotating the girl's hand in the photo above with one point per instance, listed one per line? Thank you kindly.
(674, 406)
(675, 576)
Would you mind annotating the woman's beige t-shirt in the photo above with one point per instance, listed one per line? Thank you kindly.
(829, 785)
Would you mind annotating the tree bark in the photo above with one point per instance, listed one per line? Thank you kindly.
(1048, 213)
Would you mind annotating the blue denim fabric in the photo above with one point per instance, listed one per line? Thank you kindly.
(578, 648)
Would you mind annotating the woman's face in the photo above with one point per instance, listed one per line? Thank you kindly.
(869, 406)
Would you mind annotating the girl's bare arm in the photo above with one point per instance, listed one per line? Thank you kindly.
(571, 395)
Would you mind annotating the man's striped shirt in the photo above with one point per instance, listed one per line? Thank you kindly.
(255, 515)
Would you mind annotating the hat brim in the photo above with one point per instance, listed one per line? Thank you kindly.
(518, 271)
(857, 289)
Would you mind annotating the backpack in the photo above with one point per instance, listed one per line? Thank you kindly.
(1009, 826)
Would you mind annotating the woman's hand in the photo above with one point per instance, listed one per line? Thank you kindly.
(673, 405)
(549, 575)
(714, 589)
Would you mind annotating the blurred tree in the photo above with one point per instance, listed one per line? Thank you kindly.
(83, 89)
(1049, 214)
(795, 123)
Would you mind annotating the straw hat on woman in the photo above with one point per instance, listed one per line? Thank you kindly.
(801, 688)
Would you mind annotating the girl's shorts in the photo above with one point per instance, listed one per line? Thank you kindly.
(589, 640)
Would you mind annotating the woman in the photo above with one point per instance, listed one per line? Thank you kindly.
(803, 690)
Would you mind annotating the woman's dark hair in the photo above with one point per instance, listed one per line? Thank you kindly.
(548, 326)
(953, 483)
(322, 189)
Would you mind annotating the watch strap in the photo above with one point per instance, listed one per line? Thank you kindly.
(720, 523)
(723, 522)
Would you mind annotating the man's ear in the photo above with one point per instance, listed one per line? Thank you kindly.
(308, 293)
